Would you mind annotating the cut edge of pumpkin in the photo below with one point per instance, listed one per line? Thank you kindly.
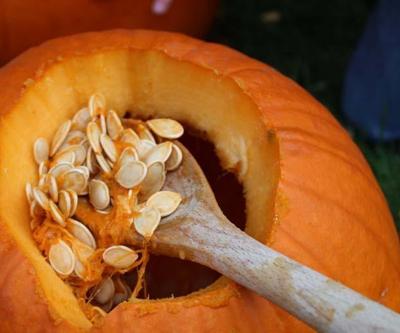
(150, 84)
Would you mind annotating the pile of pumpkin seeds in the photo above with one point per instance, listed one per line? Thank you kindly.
(92, 159)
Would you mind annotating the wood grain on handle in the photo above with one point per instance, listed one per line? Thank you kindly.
(317, 300)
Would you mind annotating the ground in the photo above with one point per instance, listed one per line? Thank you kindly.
(310, 41)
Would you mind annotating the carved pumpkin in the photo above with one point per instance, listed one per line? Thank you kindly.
(24, 24)
(309, 192)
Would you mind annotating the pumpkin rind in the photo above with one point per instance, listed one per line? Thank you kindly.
(329, 211)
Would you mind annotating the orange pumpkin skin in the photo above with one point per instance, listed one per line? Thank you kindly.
(29, 22)
(329, 214)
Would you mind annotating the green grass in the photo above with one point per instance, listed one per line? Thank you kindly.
(312, 43)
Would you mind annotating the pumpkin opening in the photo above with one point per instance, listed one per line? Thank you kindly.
(150, 84)
(188, 276)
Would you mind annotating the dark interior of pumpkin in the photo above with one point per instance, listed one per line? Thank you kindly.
(188, 276)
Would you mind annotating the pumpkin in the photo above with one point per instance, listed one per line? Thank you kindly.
(309, 191)
(29, 22)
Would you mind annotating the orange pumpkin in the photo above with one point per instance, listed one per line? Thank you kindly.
(24, 24)
(309, 192)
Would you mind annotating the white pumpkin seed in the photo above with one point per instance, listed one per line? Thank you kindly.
(52, 187)
(41, 150)
(60, 168)
(75, 180)
(105, 291)
(81, 232)
(103, 125)
(97, 104)
(93, 134)
(147, 221)
(131, 174)
(91, 162)
(60, 137)
(103, 163)
(108, 147)
(166, 128)
(159, 153)
(154, 181)
(143, 147)
(81, 119)
(85, 171)
(166, 202)
(65, 157)
(175, 159)
(29, 192)
(64, 203)
(128, 155)
(114, 126)
(145, 134)
(129, 136)
(79, 151)
(61, 258)
(41, 198)
(99, 194)
(56, 213)
(122, 291)
(119, 256)
(43, 168)
(74, 201)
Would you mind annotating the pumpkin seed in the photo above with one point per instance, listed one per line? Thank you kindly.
(43, 168)
(93, 134)
(129, 136)
(147, 221)
(81, 119)
(60, 137)
(128, 155)
(85, 171)
(41, 150)
(119, 256)
(79, 151)
(41, 198)
(74, 201)
(175, 159)
(154, 180)
(81, 232)
(122, 291)
(97, 104)
(65, 157)
(52, 186)
(75, 180)
(29, 192)
(64, 203)
(114, 125)
(99, 194)
(131, 174)
(56, 213)
(61, 258)
(105, 291)
(103, 125)
(143, 147)
(166, 128)
(103, 163)
(145, 134)
(166, 202)
(108, 147)
(159, 153)
(60, 168)
(91, 162)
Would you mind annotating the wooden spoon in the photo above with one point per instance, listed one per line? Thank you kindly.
(199, 231)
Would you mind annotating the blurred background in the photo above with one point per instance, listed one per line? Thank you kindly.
(311, 41)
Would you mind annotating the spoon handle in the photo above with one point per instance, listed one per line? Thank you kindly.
(312, 297)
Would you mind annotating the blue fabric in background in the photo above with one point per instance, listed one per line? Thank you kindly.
(371, 97)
